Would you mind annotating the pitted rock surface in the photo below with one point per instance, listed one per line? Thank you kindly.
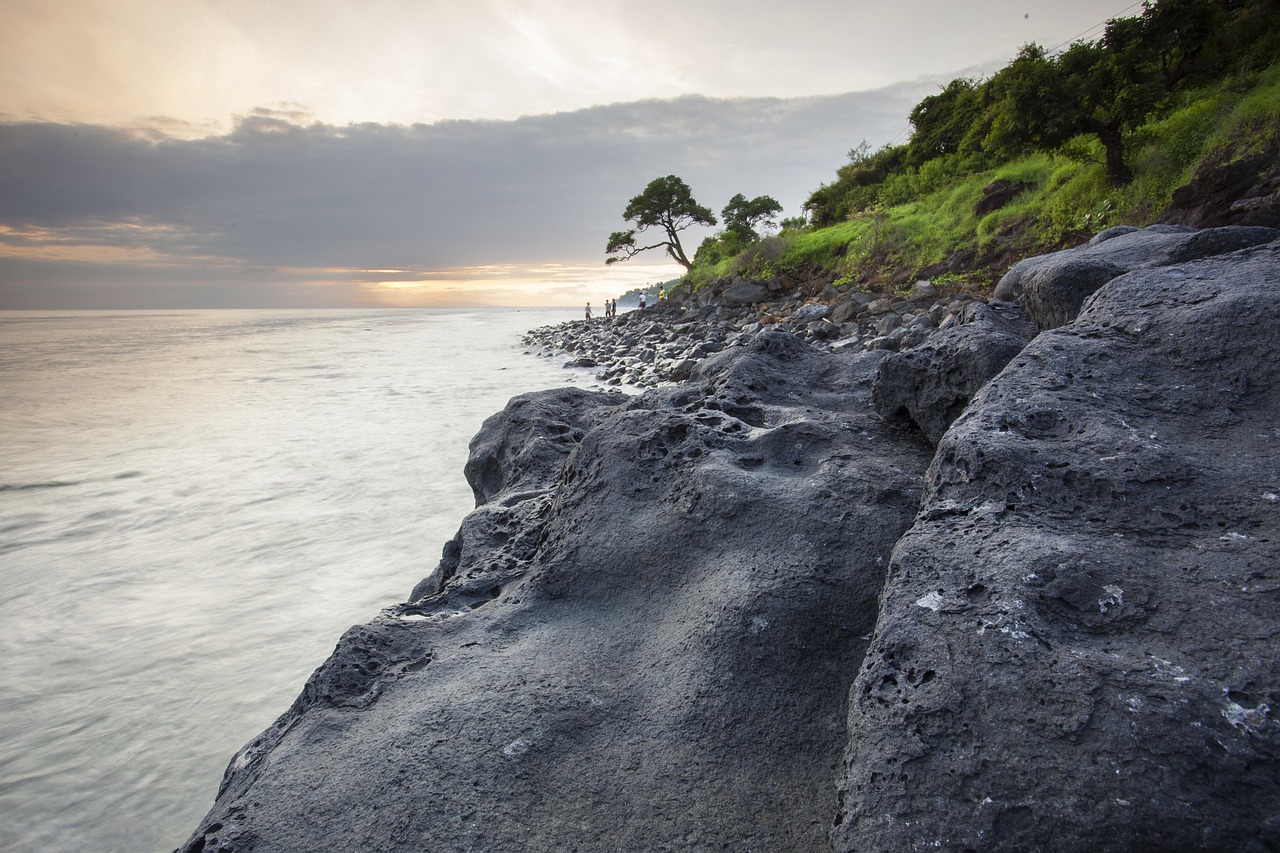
(662, 665)
(1061, 637)
(1077, 644)
(929, 385)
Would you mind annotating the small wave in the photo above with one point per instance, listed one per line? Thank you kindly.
(30, 487)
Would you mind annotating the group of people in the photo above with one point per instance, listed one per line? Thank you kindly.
(610, 310)
(611, 305)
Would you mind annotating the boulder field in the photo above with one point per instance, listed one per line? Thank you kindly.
(1013, 587)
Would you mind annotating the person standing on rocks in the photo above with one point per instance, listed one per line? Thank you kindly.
(642, 302)
(587, 320)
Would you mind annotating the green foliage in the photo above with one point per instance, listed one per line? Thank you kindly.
(1090, 88)
(1253, 125)
(856, 186)
(742, 216)
(1097, 135)
(666, 204)
(942, 122)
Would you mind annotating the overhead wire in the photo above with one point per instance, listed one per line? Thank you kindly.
(1092, 29)
(1052, 51)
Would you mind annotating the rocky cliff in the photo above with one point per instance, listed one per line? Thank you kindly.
(1016, 587)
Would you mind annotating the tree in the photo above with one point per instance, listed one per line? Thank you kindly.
(1088, 89)
(942, 121)
(667, 205)
(742, 216)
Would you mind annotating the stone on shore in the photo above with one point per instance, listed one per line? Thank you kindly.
(1054, 287)
(930, 385)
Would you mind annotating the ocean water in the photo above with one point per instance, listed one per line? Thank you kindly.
(193, 507)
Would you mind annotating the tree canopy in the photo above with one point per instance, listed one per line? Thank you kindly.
(741, 216)
(666, 205)
(1044, 101)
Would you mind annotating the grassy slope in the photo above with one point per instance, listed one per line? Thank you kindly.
(927, 225)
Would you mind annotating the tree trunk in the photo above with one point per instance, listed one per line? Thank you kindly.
(1118, 171)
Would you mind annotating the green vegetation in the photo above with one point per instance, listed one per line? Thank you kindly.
(1046, 152)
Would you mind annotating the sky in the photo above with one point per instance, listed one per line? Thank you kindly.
(332, 153)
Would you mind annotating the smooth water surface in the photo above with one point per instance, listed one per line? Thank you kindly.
(193, 507)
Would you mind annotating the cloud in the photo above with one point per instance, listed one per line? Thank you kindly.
(110, 61)
(282, 197)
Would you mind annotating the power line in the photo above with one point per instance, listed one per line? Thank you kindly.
(1075, 39)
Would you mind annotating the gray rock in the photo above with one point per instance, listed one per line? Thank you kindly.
(656, 658)
(823, 329)
(843, 312)
(888, 323)
(644, 635)
(929, 386)
(882, 342)
(811, 313)
(1054, 287)
(912, 337)
(922, 290)
(743, 293)
(682, 370)
(880, 306)
(522, 447)
(1077, 648)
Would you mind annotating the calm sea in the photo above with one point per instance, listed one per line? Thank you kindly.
(193, 507)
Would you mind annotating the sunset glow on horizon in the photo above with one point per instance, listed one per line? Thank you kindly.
(247, 153)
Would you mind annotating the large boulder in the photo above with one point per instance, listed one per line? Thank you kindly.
(1053, 287)
(642, 641)
(997, 194)
(1077, 645)
(742, 293)
(928, 386)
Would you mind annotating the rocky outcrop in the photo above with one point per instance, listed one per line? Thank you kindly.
(997, 194)
(1076, 649)
(1053, 287)
(665, 343)
(928, 386)
(641, 639)
(759, 611)
(1243, 192)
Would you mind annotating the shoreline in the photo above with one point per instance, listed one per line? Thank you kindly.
(1024, 557)
(665, 342)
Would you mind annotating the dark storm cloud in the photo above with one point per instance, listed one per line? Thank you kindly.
(275, 194)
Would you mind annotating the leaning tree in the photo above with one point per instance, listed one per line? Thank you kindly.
(668, 207)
